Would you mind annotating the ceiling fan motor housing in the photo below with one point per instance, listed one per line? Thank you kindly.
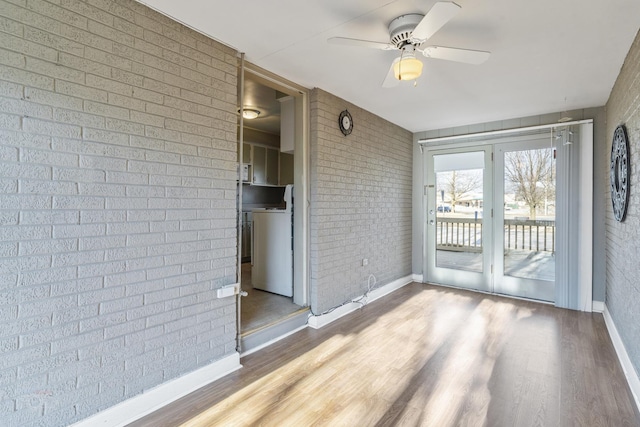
(401, 28)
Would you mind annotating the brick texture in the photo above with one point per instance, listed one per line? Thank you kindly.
(360, 202)
(117, 205)
(623, 238)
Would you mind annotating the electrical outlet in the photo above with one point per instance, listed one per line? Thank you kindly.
(365, 261)
(228, 291)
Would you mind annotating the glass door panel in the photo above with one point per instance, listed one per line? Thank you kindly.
(459, 219)
(526, 201)
(457, 234)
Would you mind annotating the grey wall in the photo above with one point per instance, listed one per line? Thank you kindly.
(600, 177)
(623, 238)
(360, 202)
(117, 205)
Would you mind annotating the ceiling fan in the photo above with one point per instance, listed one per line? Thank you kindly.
(408, 33)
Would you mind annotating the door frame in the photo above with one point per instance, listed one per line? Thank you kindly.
(301, 176)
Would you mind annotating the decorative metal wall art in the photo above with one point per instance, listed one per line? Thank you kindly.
(619, 173)
(345, 121)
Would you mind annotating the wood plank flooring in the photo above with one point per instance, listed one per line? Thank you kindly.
(425, 356)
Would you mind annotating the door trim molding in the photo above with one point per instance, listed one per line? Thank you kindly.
(301, 281)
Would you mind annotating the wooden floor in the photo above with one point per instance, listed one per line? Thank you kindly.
(425, 356)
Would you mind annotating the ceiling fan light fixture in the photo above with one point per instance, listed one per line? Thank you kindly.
(250, 113)
(407, 68)
(409, 33)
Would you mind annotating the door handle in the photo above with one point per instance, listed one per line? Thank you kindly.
(431, 222)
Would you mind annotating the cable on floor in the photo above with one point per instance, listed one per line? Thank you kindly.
(362, 300)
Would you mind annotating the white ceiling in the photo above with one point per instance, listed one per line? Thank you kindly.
(546, 55)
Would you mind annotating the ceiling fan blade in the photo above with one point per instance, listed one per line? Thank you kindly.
(360, 43)
(390, 80)
(466, 56)
(439, 15)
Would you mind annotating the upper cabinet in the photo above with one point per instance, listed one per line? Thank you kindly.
(265, 164)
(273, 157)
(246, 153)
(287, 124)
(259, 163)
(286, 168)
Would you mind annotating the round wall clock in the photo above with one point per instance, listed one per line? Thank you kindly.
(619, 172)
(345, 122)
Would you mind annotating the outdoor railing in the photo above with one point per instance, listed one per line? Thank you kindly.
(459, 234)
(465, 234)
(531, 234)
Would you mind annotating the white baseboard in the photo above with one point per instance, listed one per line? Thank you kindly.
(597, 306)
(623, 356)
(417, 278)
(143, 404)
(318, 322)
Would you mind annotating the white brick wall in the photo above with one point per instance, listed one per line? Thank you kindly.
(117, 205)
(623, 238)
(360, 202)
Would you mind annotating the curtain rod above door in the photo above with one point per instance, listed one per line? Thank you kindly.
(425, 141)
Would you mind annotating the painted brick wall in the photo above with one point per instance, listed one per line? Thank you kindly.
(117, 205)
(623, 239)
(360, 202)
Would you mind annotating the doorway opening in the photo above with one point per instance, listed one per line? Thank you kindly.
(273, 259)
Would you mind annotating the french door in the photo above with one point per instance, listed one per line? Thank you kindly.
(525, 211)
(490, 218)
(458, 230)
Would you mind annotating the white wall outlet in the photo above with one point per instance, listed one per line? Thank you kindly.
(365, 261)
(228, 291)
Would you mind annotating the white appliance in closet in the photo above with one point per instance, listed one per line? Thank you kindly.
(272, 257)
